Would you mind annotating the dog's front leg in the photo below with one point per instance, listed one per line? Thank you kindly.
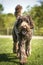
(23, 57)
(28, 48)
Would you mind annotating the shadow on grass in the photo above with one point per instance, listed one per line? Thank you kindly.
(9, 57)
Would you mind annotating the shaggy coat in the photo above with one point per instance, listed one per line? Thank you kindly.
(24, 26)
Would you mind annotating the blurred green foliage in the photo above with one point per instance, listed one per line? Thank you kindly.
(6, 23)
(7, 20)
(36, 13)
(1, 8)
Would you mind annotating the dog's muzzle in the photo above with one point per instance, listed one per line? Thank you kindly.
(24, 28)
(23, 31)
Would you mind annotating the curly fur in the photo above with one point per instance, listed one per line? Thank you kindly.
(24, 26)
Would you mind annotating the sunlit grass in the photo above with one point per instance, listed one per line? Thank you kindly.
(7, 57)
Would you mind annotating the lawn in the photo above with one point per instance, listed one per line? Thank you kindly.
(7, 57)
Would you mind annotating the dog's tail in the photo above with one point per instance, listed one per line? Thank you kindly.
(18, 9)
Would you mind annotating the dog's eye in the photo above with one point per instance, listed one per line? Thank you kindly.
(28, 22)
(20, 21)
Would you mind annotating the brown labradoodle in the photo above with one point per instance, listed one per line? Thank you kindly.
(25, 26)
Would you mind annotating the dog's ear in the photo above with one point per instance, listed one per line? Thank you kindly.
(19, 21)
(31, 22)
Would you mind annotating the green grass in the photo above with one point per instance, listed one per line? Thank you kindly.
(7, 57)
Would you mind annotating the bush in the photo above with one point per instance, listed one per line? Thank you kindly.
(38, 32)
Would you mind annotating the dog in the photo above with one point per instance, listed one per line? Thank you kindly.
(25, 26)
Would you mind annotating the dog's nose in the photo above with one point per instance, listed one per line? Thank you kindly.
(24, 27)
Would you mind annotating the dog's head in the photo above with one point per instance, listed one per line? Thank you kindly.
(24, 28)
(25, 24)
